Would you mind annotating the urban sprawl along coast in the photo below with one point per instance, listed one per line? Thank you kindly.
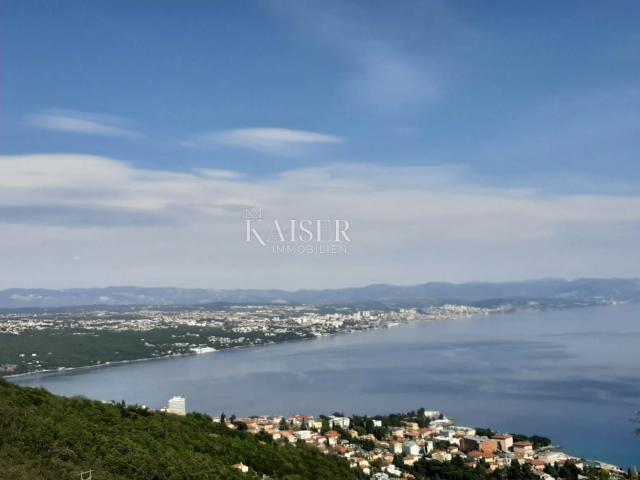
(41, 341)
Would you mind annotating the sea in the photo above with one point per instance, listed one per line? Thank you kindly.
(572, 375)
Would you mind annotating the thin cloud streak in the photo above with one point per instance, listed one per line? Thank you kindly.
(83, 123)
(265, 140)
(385, 74)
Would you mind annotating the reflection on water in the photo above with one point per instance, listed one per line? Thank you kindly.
(572, 375)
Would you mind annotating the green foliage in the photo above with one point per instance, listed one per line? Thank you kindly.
(536, 440)
(325, 426)
(283, 425)
(539, 441)
(454, 470)
(364, 443)
(72, 347)
(45, 437)
(485, 432)
(241, 426)
(392, 420)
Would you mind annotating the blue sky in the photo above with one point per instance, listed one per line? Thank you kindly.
(482, 98)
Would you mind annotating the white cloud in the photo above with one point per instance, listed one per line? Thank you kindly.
(267, 140)
(218, 173)
(408, 225)
(383, 71)
(389, 80)
(83, 123)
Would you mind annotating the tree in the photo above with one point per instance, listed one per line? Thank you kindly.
(241, 426)
(283, 425)
(514, 471)
(325, 426)
(539, 441)
(481, 466)
(264, 437)
(569, 471)
(551, 470)
(44, 436)
(360, 430)
(484, 432)
(381, 432)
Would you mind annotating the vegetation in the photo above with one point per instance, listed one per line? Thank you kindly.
(46, 437)
(456, 469)
(79, 347)
(537, 440)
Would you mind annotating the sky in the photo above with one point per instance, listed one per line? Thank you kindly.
(459, 141)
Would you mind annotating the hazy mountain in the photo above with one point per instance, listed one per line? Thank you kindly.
(424, 294)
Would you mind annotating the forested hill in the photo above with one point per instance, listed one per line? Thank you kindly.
(43, 436)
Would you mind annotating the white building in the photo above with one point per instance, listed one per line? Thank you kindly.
(551, 456)
(441, 456)
(464, 431)
(411, 448)
(393, 470)
(444, 422)
(342, 422)
(432, 414)
(303, 434)
(177, 406)
(242, 467)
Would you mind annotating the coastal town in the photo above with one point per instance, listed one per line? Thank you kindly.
(392, 446)
(128, 334)
(271, 319)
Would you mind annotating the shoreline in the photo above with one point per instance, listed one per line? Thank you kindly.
(341, 340)
(190, 354)
(178, 355)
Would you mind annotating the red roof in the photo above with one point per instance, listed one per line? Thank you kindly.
(523, 444)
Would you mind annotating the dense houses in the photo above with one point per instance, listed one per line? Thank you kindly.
(168, 332)
(388, 453)
(236, 319)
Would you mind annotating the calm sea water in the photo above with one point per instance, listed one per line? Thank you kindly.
(572, 375)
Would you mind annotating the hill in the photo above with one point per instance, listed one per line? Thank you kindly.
(433, 293)
(46, 437)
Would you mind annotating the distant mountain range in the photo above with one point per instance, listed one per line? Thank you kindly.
(435, 293)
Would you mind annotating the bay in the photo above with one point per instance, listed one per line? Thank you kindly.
(572, 375)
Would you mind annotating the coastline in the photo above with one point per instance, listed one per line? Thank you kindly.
(190, 354)
(350, 332)
(368, 393)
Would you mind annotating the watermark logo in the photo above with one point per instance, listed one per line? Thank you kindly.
(297, 236)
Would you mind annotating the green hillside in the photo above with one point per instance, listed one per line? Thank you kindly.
(43, 436)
